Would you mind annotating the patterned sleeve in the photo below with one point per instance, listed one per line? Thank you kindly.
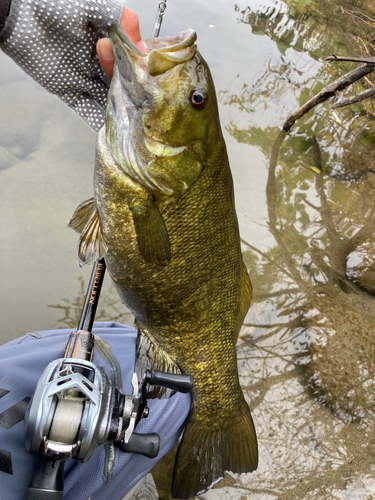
(4, 10)
(55, 43)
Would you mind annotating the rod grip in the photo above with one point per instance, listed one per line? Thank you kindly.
(48, 481)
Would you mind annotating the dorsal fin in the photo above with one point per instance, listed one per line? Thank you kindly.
(91, 246)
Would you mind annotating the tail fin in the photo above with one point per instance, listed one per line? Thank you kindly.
(207, 450)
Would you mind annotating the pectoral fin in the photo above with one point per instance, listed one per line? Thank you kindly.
(81, 215)
(91, 246)
(152, 235)
(150, 356)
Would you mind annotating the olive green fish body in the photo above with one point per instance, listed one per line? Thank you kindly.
(164, 218)
(193, 301)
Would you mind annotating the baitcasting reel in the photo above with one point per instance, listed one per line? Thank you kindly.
(72, 413)
(75, 409)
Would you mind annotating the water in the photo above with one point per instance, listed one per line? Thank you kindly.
(305, 207)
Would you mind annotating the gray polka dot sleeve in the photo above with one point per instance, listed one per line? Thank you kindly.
(54, 42)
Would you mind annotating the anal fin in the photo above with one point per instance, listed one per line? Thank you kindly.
(150, 356)
(152, 235)
(91, 245)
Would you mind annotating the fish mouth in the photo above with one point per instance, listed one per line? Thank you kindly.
(158, 148)
(118, 37)
(163, 53)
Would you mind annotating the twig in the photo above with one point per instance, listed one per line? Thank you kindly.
(334, 58)
(352, 12)
(368, 81)
(358, 38)
(355, 98)
(329, 91)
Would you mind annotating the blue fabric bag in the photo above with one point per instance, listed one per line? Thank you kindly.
(22, 362)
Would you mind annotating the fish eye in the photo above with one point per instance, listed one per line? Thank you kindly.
(198, 98)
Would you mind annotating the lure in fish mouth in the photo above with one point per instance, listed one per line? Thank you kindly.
(156, 111)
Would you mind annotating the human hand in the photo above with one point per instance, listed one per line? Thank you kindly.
(129, 24)
(57, 49)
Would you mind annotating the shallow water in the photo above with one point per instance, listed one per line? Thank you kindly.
(305, 207)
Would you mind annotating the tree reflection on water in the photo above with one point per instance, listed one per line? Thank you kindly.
(309, 343)
(110, 307)
(307, 354)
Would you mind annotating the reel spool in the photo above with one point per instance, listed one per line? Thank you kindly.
(69, 415)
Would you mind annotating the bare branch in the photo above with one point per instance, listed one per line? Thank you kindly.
(354, 12)
(334, 58)
(329, 91)
(355, 98)
(308, 203)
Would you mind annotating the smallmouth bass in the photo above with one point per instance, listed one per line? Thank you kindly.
(163, 217)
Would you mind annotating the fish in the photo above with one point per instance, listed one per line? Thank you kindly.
(163, 217)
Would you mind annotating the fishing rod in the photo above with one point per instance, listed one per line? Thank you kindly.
(76, 408)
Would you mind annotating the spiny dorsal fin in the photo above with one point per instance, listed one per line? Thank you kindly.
(152, 235)
(91, 246)
(150, 356)
(81, 215)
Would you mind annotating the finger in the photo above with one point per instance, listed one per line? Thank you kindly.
(129, 23)
(106, 56)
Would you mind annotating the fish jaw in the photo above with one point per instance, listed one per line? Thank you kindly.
(162, 55)
(157, 148)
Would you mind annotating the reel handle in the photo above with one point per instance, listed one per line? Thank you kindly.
(179, 382)
(48, 481)
(143, 444)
